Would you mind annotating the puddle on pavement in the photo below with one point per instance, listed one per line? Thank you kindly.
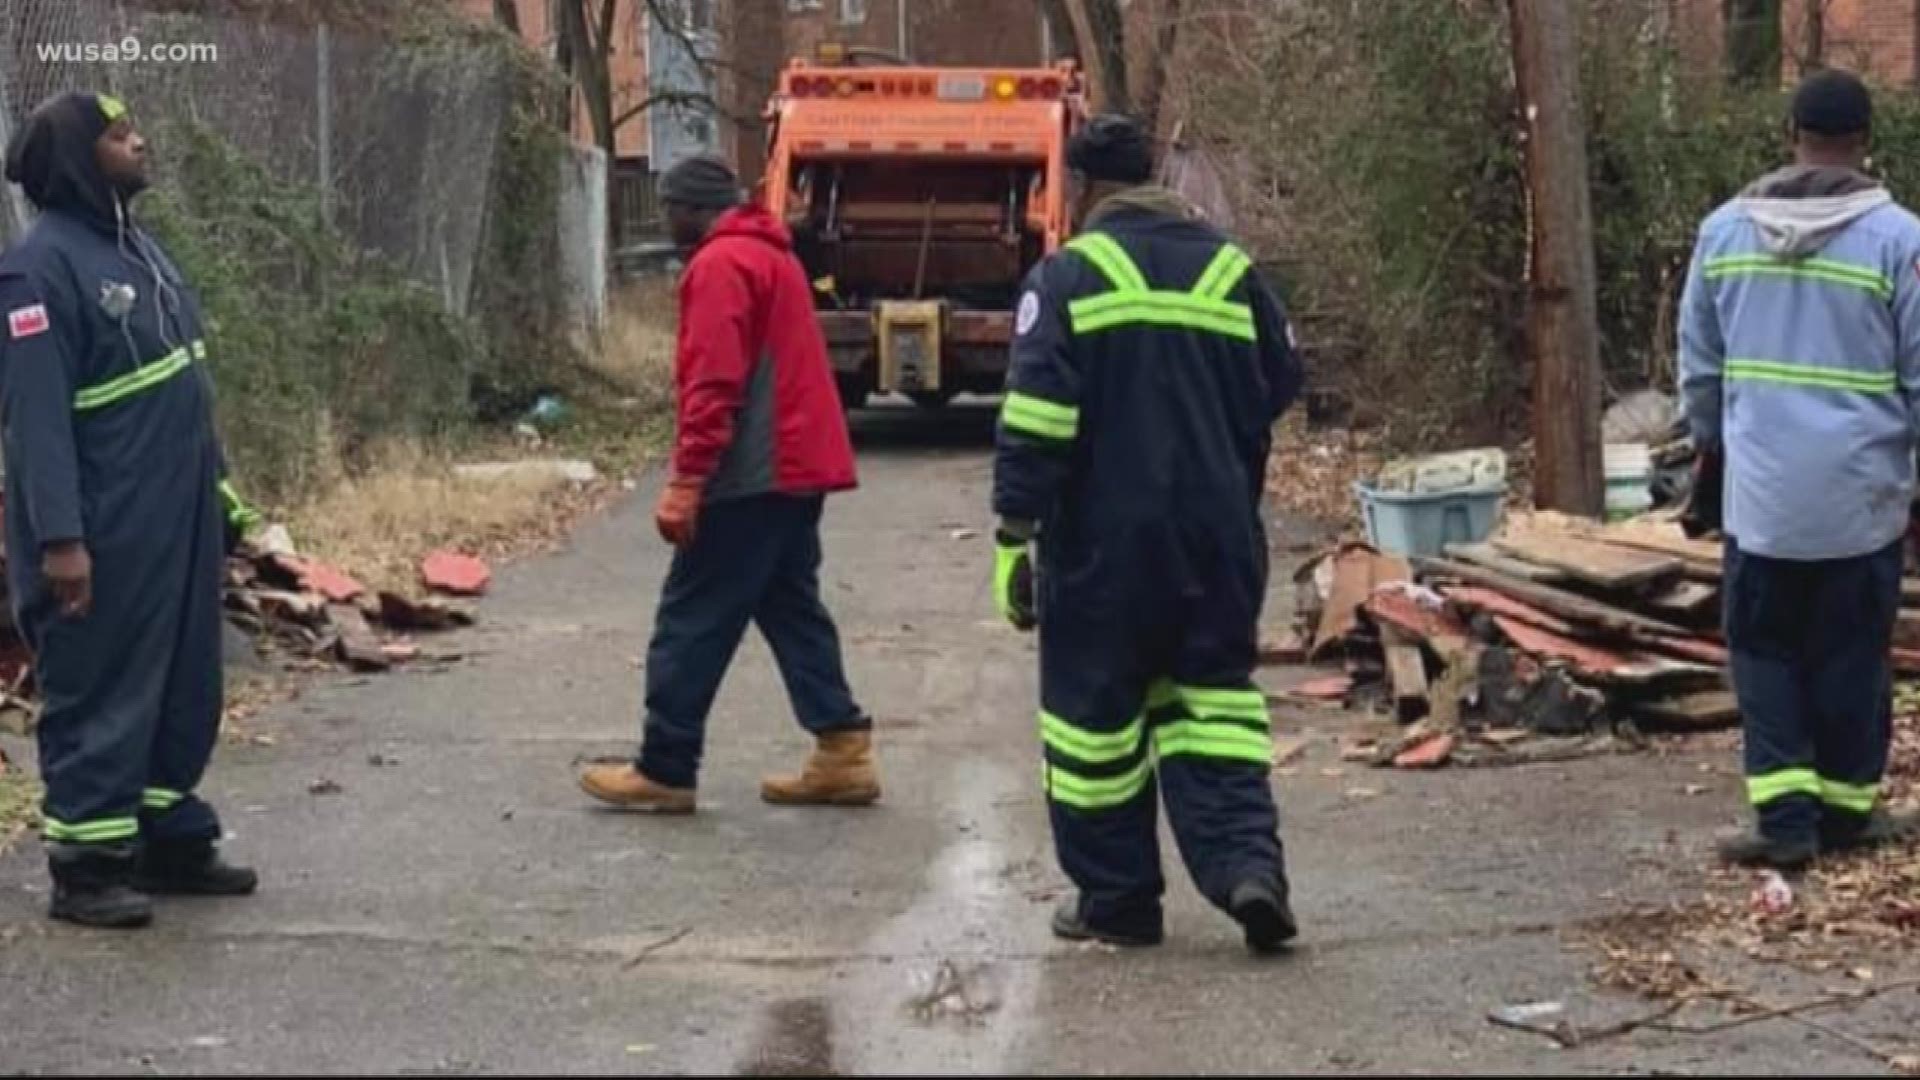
(797, 1041)
(958, 1001)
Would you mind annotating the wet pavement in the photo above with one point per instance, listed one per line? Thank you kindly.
(457, 906)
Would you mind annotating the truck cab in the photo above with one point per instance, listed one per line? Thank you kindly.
(919, 198)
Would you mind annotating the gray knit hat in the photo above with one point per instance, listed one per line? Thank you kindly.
(703, 182)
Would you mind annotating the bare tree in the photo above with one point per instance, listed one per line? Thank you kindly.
(587, 30)
(1097, 35)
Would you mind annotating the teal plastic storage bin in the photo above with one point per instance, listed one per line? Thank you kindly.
(1423, 525)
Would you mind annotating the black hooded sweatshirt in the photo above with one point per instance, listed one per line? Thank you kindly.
(106, 416)
(105, 408)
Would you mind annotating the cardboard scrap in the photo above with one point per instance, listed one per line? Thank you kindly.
(1358, 571)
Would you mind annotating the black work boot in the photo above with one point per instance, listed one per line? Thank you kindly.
(1070, 925)
(1842, 834)
(1261, 909)
(191, 868)
(90, 886)
(1760, 851)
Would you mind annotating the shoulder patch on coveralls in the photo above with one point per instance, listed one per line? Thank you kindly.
(1029, 314)
(27, 321)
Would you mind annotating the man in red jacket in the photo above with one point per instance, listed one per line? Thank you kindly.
(762, 440)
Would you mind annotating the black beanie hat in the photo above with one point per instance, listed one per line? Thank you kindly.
(1113, 148)
(703, 182)
(1833, 103)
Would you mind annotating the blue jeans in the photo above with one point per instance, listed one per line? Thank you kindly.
(754, 560)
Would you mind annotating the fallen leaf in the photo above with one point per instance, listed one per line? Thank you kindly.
(1332, 773)
(1362, 792)
(324, 786)
(639, 1048)
(1695, 789)
(1862, 974)
(964, 534)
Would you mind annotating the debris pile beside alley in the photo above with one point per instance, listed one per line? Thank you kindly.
(302, 611)
(1557, 636)
(316, 613)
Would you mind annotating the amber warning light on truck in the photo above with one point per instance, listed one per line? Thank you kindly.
(957, 87)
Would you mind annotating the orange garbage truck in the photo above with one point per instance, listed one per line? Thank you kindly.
(919, 197)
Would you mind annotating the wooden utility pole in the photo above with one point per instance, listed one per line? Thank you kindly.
(1563, 333)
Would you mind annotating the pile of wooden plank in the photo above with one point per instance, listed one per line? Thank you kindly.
(1556, 628)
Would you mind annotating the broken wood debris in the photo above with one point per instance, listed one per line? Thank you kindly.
(1572, 632)
(309, 609)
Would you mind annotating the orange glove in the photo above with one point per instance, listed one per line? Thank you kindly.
(678, 513)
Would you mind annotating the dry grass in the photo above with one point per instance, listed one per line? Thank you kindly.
(378, 525)
(635, 350)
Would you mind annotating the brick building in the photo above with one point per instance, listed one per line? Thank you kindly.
(1878, 38)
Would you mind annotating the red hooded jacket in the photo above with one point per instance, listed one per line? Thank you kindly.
(758, 411)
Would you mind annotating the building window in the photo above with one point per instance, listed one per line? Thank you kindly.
(853, 12)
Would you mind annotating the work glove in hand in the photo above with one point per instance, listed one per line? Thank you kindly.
(1013, 580)
(240, 519)
(1705, 502)
(677, 515)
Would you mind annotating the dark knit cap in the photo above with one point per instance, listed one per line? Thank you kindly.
(1113, 148)
(703, 182)
(1834, 103)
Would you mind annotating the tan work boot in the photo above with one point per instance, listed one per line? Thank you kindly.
(628, 788)
(839, 772)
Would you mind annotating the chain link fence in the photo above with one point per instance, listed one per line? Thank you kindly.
(399, 140)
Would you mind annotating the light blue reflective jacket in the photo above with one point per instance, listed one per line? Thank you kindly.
(1800, 355)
